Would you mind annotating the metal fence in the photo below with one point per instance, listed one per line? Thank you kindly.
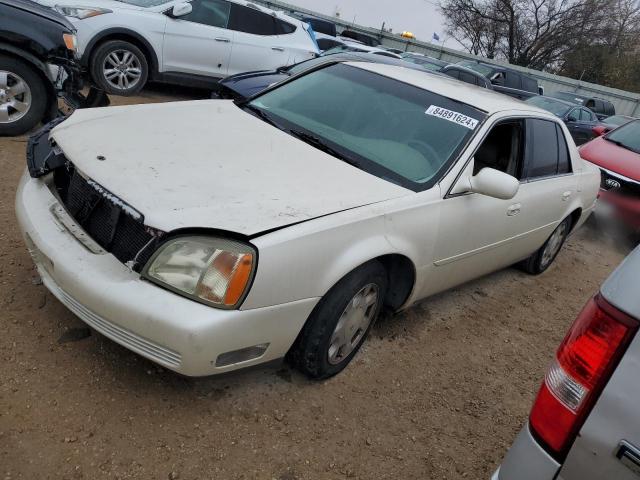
(626, 103)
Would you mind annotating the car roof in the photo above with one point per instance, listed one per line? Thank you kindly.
(481, 98)
(562, 101)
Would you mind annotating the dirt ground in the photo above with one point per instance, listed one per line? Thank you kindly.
(438, 392)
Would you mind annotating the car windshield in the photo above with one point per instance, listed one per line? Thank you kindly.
(144, 3)
(427, 65)
(388, 128)
(550, 105)
(627, 136)
(617, 120)
(477, 67)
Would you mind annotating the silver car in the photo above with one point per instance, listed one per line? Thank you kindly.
(584, 423)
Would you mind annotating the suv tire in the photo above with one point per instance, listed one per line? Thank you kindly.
(119, 68)
(23, 96)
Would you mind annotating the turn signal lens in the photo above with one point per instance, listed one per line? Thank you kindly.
(210, 270)
(584, 363)
(70, 41)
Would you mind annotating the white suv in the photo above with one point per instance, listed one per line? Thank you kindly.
(127, 42)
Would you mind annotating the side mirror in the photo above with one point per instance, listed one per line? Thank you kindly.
(494, 183)
(599, 130)
(180, 10)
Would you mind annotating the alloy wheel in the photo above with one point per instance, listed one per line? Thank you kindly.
(15, 97)
(554, 244)
(122, 69)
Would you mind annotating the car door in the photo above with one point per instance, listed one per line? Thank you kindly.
(199, 43)
(575, 126)
(256, 45)
(546, 188)
(473, 237)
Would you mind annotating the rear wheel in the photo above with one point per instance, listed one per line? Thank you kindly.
(23, 96)
(119, 68)
(544, 257)
(340, 323)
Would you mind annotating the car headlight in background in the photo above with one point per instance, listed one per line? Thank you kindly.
(81, 12)
(210, 270)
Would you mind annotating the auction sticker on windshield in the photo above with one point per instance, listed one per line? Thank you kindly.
(450, 115)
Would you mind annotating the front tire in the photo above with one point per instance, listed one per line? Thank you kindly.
(544, 257)
(119, 68)
(340, 323)
(23, 96)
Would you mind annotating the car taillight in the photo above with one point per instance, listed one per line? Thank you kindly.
(583, 365)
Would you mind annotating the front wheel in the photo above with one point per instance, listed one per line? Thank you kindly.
(340, 323)
(23, 96)
(544, 257)
(119, 68)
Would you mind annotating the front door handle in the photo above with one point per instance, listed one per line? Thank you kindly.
(222, 39)
(566, 196)
(277, 49)
(514, 209)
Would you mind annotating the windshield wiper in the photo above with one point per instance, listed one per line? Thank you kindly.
(262, 115)
(321, 145)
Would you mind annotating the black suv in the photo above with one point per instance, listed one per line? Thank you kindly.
(505, 80)
(37, 65)
(601, 107)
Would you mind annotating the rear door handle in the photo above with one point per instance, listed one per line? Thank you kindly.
(566, 196)
(514, 209)
(222, 39)
(277, 49)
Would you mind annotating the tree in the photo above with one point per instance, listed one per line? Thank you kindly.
(530, 33)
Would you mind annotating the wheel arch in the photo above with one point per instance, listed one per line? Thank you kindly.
(575, 217)
(124, 34)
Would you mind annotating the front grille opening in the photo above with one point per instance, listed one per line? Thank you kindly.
(114, 225)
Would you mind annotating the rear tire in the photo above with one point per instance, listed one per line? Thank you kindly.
(340, 323)
(23, 96)
(119, 67)
(544, 257)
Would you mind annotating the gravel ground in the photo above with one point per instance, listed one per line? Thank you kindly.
(438, 392)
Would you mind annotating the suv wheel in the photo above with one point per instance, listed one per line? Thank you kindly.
(119, 68)
(340, 323)
(23, 96)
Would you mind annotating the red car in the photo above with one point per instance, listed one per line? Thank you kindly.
(618, 155)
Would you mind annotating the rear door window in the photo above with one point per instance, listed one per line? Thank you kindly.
(542, 149)
(284, 28)
(250, 20)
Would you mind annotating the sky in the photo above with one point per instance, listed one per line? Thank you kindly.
(418, 16)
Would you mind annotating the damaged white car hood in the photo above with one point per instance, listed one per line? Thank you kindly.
(209, 164)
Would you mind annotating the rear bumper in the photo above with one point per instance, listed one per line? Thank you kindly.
(526, 460)
(177, 333)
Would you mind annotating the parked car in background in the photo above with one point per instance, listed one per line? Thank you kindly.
(467, 75)
(37, 66)
(601, 107)
(584, 423)
(579, 120)
(363, 186)
(428, 63)
(618, 155)
(244, 85)
(397, 51)
(611, 123)
(361, 37)
(189, 43)
(505, 80)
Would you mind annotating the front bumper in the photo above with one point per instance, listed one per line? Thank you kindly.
(625, 208)
(168, 329)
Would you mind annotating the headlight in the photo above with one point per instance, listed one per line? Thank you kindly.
(81, 12)
(213, 271)
(70, 41)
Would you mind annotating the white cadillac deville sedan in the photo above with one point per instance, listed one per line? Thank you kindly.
(209, 236)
